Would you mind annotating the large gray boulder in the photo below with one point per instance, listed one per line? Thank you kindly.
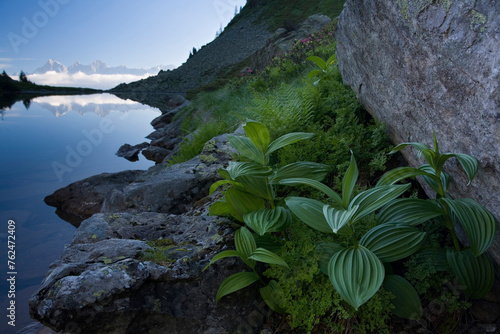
(424, 66)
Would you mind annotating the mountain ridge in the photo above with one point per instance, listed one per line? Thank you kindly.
(97, 67)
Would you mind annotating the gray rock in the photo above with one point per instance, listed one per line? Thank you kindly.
(431, 66)
(166, 142)
(159, 189)
(155, 153)
(105, 282)
(130, 152)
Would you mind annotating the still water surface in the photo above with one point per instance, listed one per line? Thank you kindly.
(56, 141)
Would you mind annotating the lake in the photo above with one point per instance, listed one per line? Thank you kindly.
(56, 141)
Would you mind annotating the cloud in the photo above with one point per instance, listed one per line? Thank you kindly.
(79, 79)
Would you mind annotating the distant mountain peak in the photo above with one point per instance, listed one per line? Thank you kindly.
(97, 67)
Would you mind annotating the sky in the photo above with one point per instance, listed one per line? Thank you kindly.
(137, 34)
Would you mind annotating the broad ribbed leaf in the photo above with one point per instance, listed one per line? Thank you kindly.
(258, 134)
(244, 242)
(401, 173)
(326, 250)
(241, 202)
(432, 181)
(222, 255)
(338, 218)
(266, 256)
(235, 282)
(435, 257)
(469, 164)
(476, 275)
(272, 296)
(268, 241)
(375, 198)
(391, 242)
(268, 220)
(288, 139)
(356, 274)
(219, 208)
(349, 181)
(247, 149)
(225, 175)
(309, 211)
(406, 301)
(237, 169)
(256, 185)
(479, 223)
(411, 211)
(318, 61)
(310, 170)
(315, 184)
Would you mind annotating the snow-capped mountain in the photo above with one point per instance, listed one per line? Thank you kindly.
(97, 67)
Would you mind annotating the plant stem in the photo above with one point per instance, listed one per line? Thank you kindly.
(450, 226)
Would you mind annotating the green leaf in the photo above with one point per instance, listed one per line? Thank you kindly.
(401, 173)
(287, 139)
(375, 198)
(217, 184)
(433, 181)
(349, 181)
(268, 241)
(272, 296)
(318, 61)
(356, 274)
(315, 184)
(326, 250)
(479, 223)
(310, 170)
(309, 211)
(258, 134)
(244, 242)
(237, 169)
(266, 256)
(314, 73)
(338, 218)
(222, 255)
(418, 146)
(435, 257)
(235, 282)
(476, 275)
(391, 242)
(410, 211)
(268, 220)
(219, 208)
(247, 149)
(241, 202)
(406, 301)
(469, 164)
(331, 60)
(257, 186)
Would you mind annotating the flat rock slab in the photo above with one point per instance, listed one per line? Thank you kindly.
(104, 282)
